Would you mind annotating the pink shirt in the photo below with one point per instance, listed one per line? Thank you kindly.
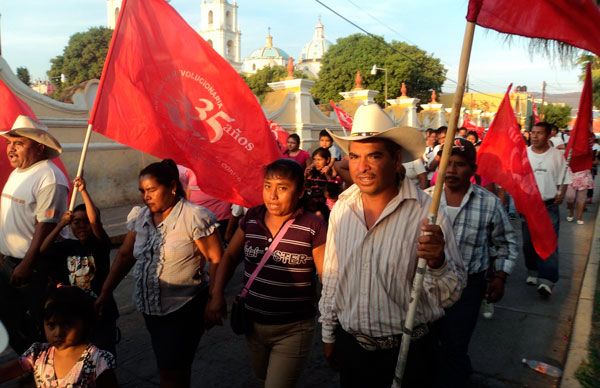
(301, 157)
(221, 209)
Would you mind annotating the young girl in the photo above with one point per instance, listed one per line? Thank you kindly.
(68, 359)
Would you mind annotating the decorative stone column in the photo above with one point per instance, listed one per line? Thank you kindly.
(404, 109)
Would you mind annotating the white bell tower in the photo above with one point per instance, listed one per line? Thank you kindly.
(219, 27)
(112, 9)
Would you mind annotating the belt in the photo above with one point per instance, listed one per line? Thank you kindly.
(388, 342)
(549, 202)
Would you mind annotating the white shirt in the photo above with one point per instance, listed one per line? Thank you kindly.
(367, 274)
(549, 168)
(414, 169)
(36, 193)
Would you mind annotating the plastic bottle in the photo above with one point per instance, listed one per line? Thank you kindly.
(543, 368)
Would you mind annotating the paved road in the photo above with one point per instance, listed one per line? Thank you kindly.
(524, 325)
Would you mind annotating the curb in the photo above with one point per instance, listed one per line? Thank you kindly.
(578, 346)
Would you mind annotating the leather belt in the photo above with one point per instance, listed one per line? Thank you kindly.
(388, 342)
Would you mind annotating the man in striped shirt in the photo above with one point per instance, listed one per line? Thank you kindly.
(373, 242)
(487, 241)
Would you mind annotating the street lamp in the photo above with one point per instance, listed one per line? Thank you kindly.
(385, 72)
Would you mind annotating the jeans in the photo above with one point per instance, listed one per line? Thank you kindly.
(454, 333)
(279, 352)
(547, 270)
(360, 368)
(21, 308)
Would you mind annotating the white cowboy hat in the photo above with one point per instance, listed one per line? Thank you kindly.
(25, 126)
(370, 121)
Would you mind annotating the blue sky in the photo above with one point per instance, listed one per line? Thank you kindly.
(33, 31)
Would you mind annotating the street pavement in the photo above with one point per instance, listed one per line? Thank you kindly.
(523, 326)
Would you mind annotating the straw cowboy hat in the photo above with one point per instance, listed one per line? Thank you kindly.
(26, 127)
(371, 122)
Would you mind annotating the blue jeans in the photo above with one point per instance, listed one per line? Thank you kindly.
(453, 334)
(547, 270)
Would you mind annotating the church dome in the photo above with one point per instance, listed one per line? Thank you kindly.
(269, 51)
(317, 47)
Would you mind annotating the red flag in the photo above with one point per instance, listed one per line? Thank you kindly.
(165, 91)
(344, 118)
(579, 148)
(470, 125)
(576, 22)
(280, 135)
(12, 107)
(502, 158)
(536, 116)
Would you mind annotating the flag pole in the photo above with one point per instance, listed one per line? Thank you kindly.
(86, 143)
(88, 134)
(417, 286)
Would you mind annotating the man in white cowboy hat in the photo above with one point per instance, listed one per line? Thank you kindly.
(33, 200)
(373, 242)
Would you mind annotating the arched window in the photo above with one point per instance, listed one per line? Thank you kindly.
(210, 42)
(228, 19)
(210, 17)
(229, 48)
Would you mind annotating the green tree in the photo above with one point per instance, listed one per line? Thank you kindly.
(258, 82)
(23, 74)
(559, 115)
(420, 71)
(582, 60)
(82, 59)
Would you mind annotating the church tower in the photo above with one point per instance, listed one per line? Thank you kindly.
(219, 27)
(112, 8)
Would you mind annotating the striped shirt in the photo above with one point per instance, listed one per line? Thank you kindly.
(367, 274)
(482, 229)
(285, 289)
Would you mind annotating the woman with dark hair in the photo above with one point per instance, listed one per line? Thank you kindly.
(294, 152)
(281, 301)
(168, 244)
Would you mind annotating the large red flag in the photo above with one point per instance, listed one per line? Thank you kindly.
(165, 91)
(12, 107)
(579, 148)
(576, 22)
(344, 118)
(502, 158)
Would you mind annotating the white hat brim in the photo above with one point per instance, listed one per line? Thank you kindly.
(410, 139)
(53, 147)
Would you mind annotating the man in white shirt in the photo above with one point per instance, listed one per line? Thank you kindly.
(373, 242)
(552, 178)
(33, 200)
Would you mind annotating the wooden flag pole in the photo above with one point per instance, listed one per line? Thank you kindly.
(86, 143)
(417, 286)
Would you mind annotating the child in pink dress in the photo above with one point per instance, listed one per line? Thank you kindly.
(68, 359)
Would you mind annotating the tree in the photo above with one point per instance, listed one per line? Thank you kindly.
(559, 115)
(420, 71)
(595, 60)
(23, 74)
(82, 59)
(258, 82)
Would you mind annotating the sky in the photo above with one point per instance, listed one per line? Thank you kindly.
(34, 31)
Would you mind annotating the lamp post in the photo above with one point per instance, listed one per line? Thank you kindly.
(385, 87)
